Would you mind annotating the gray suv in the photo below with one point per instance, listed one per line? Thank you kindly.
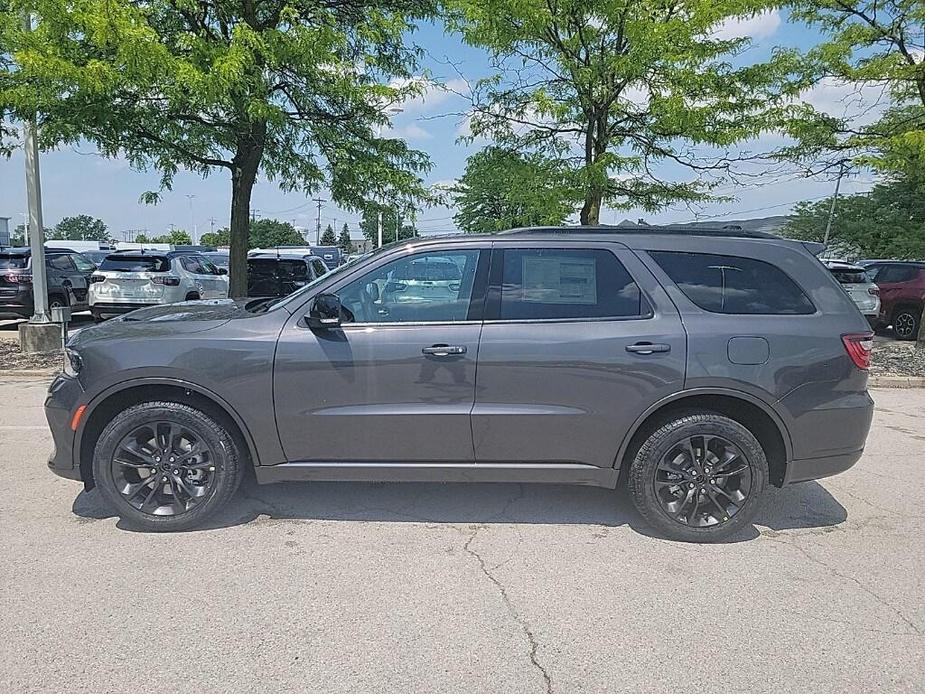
(696, 368)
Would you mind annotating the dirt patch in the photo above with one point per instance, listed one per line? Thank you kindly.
(13, 359)
(897, 359)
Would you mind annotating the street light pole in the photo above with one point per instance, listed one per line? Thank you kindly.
(828, 224)
(192, 218)
(36, 231)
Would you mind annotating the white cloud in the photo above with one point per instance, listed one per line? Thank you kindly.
(432, 94)
(409, 131)
(757, 27)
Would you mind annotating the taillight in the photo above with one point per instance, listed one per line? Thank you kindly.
(858, 346)
(875, 291)
(166, 281)
(18, 278)
(97, 278)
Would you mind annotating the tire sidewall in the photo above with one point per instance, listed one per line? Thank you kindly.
(915, 323)
(660, 442)
(219, 441)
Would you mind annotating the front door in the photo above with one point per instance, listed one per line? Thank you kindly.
(395, 382)
(578, 340)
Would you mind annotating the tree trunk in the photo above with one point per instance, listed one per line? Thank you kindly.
(246, 163)
(920, 341)
(591, 210)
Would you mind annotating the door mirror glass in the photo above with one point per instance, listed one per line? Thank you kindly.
(222, 270)
(325, 312)
(373, 290)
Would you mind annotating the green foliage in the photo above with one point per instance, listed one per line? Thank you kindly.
(294, 90)
(18, 235)
(328, 238)
(615, 87)
(83, 227)
(501, 190)
(343, 240)
(222, 237)
(867, 42)
(887, 222)
(391, 223)
(176, 237)
(266, 233)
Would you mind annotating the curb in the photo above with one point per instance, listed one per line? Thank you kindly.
(29, 373)
(896, 382)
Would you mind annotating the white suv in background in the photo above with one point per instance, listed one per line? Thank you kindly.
(128, 280)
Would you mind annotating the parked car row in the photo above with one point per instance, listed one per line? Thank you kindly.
(902, 295)
(68, 274)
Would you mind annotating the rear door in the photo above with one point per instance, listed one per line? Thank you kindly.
(64, 276)
(579, 339)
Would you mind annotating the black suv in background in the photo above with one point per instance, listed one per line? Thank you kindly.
(68, 275)
(281, 275)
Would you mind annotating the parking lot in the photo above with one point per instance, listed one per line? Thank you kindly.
(463, 588)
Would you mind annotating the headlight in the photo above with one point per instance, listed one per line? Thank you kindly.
(72, 362)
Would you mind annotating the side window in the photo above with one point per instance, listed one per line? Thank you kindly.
(319, 267)
(83, 264)
(191, 264)
(897, 273)
(561, 284)
(730, 284)
(427, 287)
(60, 261)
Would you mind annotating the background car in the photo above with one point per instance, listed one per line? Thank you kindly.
(68, 274)
(433, 279)
(862, 290)
(218, 258)
(279, 275)
(129, 280)
(902, 294)
(96, 257)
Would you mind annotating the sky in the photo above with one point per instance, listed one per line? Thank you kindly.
(75, 180)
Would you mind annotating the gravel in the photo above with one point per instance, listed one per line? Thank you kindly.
(897, 359)
(12, 358)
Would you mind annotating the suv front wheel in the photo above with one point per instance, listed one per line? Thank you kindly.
(698, 477)
(166, 466)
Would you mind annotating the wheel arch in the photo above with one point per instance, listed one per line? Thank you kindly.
(105, 405)
(752, 412)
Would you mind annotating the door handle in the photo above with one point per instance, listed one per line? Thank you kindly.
(648, 348)
(444, 350)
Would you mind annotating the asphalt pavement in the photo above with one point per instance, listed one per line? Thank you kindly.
(335, 587)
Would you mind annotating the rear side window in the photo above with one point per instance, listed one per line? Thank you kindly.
(59, 261)
(848, 276)
(562, 284)
(13, 262)
(897, 273)
(135, 263)
(730, 284)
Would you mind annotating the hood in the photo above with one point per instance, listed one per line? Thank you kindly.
(170, 319)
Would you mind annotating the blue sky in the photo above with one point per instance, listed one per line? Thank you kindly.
(77, 181)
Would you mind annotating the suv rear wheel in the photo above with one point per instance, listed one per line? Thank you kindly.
(698, 477)
(166, 466)
(906, 321)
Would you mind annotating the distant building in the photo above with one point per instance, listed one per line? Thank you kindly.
(4, 231)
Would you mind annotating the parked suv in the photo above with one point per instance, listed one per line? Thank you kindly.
(68, 275)
(697, 368)
(902, 295)
(857, 283)
(127, 280)
(276, 275)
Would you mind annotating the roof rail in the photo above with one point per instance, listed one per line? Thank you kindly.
(727, 231)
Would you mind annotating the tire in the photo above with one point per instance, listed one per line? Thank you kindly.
(56, 300)
(148, 438)
(666, 486)
(192, 296)
(906, 322)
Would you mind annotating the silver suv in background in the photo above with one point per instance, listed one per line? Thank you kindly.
(859, 286)
(128, 280)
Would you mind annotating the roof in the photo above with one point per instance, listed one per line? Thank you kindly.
(26, 250)
(624, 229)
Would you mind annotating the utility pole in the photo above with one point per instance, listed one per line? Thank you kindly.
(211, 225)
(379, 245)
(320, 201)
(192, 217)
(828, 224)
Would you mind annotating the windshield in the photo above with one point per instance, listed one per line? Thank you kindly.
(9, 261)
(135, 263)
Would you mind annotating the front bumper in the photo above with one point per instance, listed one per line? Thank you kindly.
(64, 397)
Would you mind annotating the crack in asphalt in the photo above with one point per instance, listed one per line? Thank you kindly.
(835, 572)
(506, 599)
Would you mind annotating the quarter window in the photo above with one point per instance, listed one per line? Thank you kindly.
(563, 284)
(427, 287)
(890, 274)
(730, 284)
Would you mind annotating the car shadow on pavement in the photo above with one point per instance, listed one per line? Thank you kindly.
(802, 506)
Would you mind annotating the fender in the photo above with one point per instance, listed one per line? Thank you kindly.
(95, 401)
(729, 392)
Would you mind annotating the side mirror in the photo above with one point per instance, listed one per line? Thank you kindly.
(223, 271)
(325, 312)
(372, 289)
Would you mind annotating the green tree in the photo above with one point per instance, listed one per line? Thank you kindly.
(887, 222)
(343, 240)
(144, 238)
(18, 237)
(866, 42)
(328, 238)
(295, 91)
(83, 227)
(616, 87)
(501, 190)
(177, 237)
(267, 233)
(222, 237)
(369, 224)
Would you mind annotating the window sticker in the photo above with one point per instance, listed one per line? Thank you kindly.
(559, 280)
